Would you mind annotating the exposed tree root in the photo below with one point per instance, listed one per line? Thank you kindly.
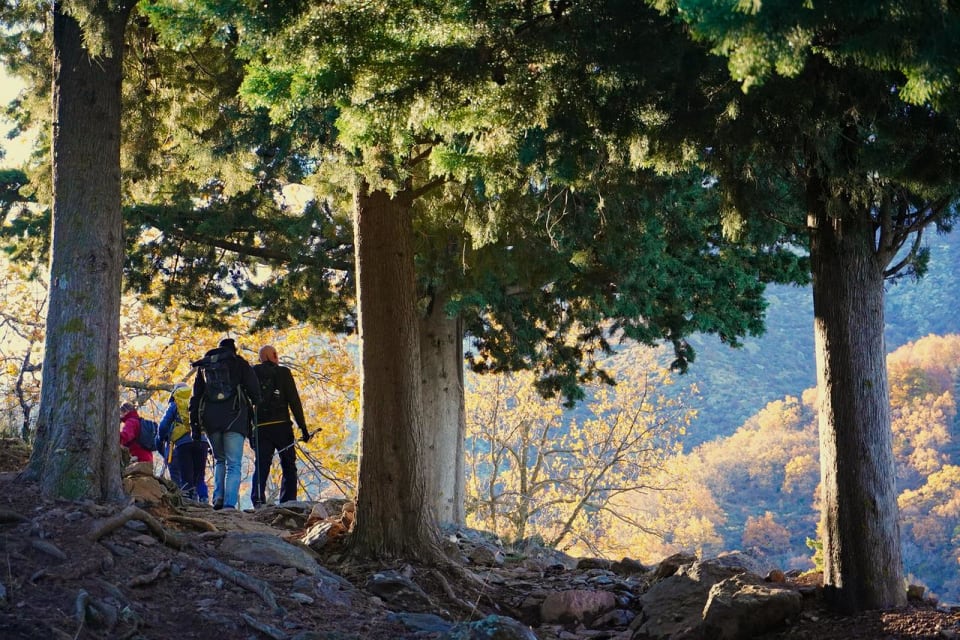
(466, 606)
(7, 516)
(90, 609)
(196, 523)
(249, 583)
(152, 576)
(266, 629)
(136, 513)
(48, 548)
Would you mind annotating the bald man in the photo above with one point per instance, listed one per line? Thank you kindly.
(274, 432)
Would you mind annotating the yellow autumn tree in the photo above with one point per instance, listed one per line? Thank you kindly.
(534, 470)
(930, 519)
(765, 533)
(680, 515)
(157, 351)
(921, 435)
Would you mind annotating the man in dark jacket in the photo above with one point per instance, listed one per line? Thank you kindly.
(223, 391)
(274, 428)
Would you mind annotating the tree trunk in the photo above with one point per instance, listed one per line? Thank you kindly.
(394, 518)
(445, 424)
(861, 546)
(76, 451)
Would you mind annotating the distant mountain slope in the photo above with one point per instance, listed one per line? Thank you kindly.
(737, 383)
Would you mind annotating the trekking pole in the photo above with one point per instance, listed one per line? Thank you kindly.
(343, 486)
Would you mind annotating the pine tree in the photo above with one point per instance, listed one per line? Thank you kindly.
(76, 450)
(850, 106)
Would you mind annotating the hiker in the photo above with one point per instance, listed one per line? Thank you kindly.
(223, 391)
(185, 456)
(274, 432)
(130, 432)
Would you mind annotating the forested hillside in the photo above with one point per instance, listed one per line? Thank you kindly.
(781, 362)
(764, 477)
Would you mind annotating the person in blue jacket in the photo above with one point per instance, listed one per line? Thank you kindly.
(186, 457)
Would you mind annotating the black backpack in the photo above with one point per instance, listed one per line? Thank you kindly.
(220, 381)
(271, 398)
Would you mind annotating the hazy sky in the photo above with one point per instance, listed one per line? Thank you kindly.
(16, 150)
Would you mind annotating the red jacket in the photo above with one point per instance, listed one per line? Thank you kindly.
(129, 431)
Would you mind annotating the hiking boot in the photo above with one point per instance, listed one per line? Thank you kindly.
(218, 504)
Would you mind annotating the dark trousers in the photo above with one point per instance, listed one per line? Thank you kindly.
(187, 466)
(268, 440)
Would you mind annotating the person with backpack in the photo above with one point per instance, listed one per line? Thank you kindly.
(279, 398)
(185, 456)
(130, 433)
(223, 391)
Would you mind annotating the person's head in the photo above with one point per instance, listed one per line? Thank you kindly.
(269, 354)
(126, 408)
(228, 343)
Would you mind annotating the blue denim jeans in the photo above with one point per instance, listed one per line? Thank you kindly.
(228, 457)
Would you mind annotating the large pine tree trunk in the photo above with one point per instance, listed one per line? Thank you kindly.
(441, 361)
(76, 451)
(394, 518)
(861, 546)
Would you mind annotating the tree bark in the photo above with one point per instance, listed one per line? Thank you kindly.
(394, 517)
(445, 423)
(861, 546)
(76, 451)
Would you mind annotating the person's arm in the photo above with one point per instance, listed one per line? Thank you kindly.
(166, 422)
(199, 386)
(293, 401)
(250, 382)
(128, 433)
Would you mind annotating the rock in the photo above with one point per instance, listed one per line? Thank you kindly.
(531, 549)
(615, 618)
(138, 469)
(486, 556)
(302, 598)
(669, 565)
(743, 607)
(490, 628)
(144, 540)
(144, 488)
(585, 564)
(320, 534)
(421, 622)
(915, 592)
(317, 513)
(674, 606)
(399, 592)
(776, 576)
(576, 605)
(264, 548)
(49, 548)
(753, 561)
(628, 567)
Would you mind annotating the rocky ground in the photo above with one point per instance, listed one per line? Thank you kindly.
(175, 571)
